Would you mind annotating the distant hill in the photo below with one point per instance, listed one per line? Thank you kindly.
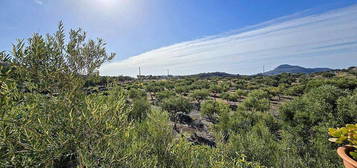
(213, 74)
(200, 75)
(285, 68)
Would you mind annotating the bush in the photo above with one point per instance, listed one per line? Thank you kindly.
(51, 63)
(257, 100)
(182, 89)
(215, 88)
(140, 109)
(8, 89)
(176, 104)
(347, 109)
(308, 117)
(48, 132)
(340, 82)
(318, 105)
(295, 90)
(200, 95)
(258, 144)
(152, 89)
(213, 109)
(242, 121)
(328, 74)
(136, 93)
(240, 93)
(222, 156)
(229, 96)
(164, 94)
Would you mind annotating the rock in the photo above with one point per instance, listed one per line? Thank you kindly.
(196, 106)
(102, 88)
(183, 118)
(199, 140)
(233, 106)
(197, 124)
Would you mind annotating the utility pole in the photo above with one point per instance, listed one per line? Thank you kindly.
(139, 76)
(168, 72)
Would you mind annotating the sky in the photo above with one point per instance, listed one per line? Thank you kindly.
(194, 36)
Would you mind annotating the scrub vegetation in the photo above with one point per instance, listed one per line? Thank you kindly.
(56, 111)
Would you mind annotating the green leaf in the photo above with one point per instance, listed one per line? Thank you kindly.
(354, 155)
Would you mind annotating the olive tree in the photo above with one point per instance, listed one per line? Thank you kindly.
(50, 62)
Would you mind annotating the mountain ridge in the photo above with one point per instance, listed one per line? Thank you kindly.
(286, 68)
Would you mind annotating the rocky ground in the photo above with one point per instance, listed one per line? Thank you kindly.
(195, 128)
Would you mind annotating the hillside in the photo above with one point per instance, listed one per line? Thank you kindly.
(285, 68)
(213, 74)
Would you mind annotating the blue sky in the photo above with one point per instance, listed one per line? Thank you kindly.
(192, 36)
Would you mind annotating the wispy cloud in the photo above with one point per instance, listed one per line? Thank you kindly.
(40, 2)
(327, 39)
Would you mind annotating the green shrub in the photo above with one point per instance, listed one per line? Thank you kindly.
(136, 93)
(213, 109)
(240, 93)
(308, 117)
(222, 156)
(8, 89)
(258, 144)
(295, 90)
(229, 96)
(200, 95)
(318, 105)
(44, 131)
(257, 100)
(152, 89)
(51, 63)
(141, 107)
(347, 109)
(182, 89)
(328, 74)
(340, 82)
(164, 94)
(176, 104)
(215, 88)
(242, 121)
(200, 84)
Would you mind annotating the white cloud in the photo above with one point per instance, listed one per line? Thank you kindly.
(320, 40)
(40, 2)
